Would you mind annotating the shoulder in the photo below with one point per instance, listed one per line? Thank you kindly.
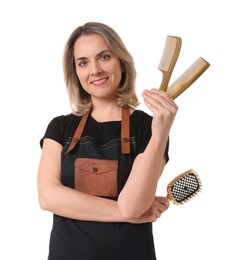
(64, 121)
(60, 127)
(141, 118)
(141, 128)
(141, 123)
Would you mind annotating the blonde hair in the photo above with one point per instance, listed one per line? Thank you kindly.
(80, 100)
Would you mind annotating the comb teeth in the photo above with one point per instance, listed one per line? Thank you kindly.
(184, 187)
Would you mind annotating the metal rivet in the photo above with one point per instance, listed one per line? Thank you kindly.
(95, 169)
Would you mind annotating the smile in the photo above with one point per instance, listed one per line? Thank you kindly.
(99, 82)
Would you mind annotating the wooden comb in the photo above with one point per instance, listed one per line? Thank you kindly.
(167, 63)
(168, 60)
(188, 77)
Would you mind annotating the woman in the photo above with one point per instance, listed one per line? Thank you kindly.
(100, 165)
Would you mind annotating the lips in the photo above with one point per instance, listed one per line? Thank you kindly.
(99, 82)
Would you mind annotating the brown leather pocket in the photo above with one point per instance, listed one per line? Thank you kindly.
(96, 176)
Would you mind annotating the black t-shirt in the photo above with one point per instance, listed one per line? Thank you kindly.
(91, 240)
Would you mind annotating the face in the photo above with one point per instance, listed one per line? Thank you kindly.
(98, 69)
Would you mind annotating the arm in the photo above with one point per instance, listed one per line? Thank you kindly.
(71, 203)
(65, 201)
(139, 191)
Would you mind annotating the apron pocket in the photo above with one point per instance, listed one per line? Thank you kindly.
(96, 177)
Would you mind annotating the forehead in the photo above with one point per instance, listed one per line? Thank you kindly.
(90, 45)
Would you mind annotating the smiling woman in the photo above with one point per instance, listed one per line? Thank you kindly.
(100, 165)
(114, 47)
(99, 71)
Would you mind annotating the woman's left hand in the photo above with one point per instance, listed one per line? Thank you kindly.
(159, 206)
(163, 107)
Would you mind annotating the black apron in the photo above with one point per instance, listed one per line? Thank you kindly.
(101, 173)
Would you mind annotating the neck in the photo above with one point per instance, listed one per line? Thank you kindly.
(103, 112)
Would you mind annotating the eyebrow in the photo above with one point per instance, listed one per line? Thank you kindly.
(100, 53)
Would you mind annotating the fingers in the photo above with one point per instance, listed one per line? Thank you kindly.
(160, 205)
(164, 202)
(164, 110)
(158, 101)
(157, 94)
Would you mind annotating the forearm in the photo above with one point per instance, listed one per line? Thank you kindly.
(70, 203)
(65, 201)
(139, 191)
(73, 204)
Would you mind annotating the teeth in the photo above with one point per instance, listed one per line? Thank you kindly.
(98, 81)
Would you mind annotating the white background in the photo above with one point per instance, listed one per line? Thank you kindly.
(206, 135)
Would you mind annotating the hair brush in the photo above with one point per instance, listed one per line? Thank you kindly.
(183, 187)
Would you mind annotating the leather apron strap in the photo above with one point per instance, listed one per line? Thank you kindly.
(77, 133)
(125, 132)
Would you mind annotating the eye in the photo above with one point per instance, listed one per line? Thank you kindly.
(82, 63)
(105, 57)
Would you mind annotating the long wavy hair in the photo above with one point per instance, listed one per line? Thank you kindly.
(80, 100)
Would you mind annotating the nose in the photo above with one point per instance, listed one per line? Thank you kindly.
(96, 68)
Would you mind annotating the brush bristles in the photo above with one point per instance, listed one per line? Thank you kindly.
(184, 187)
(187, 199)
